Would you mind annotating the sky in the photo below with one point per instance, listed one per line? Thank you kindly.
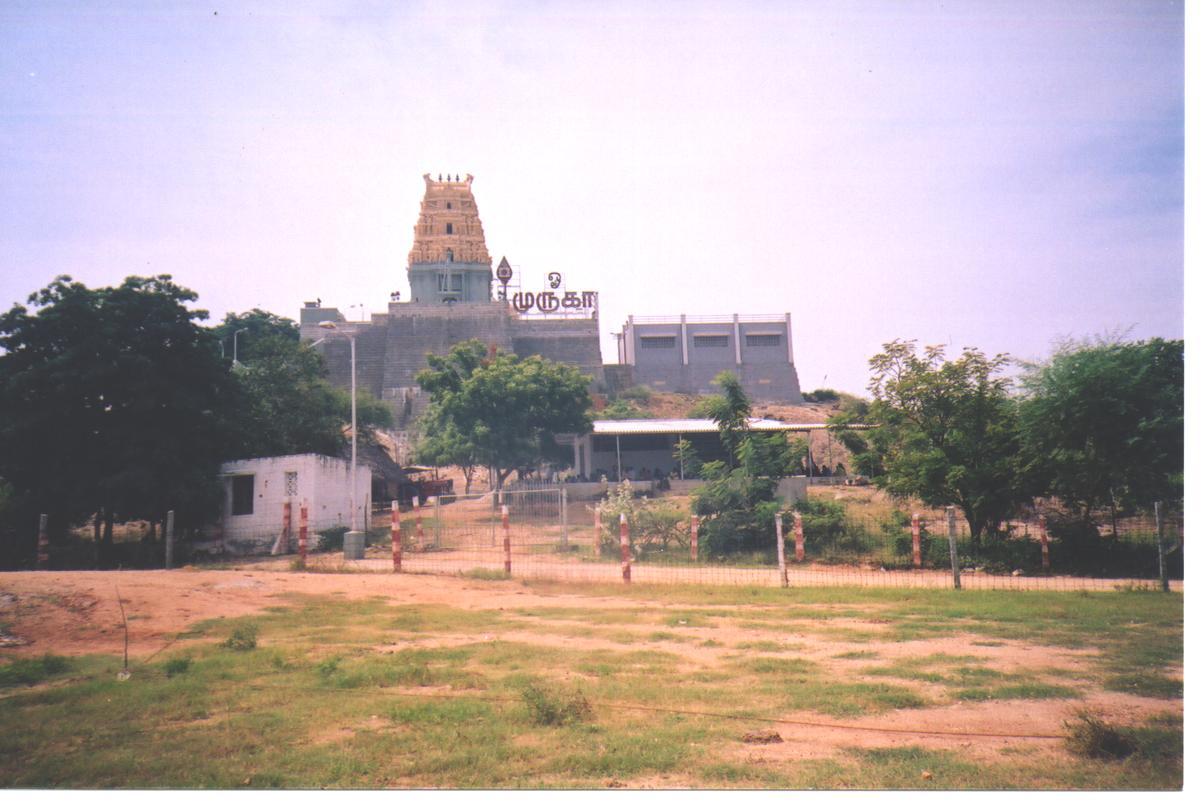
(992, 174)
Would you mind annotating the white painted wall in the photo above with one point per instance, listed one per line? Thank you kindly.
(325, 482)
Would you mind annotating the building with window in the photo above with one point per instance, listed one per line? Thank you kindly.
(263, 496)
(685, 353)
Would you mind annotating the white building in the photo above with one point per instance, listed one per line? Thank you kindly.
(265, 493)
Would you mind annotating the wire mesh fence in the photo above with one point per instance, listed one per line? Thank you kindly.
(538, 533)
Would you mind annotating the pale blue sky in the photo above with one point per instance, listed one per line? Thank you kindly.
(994, 173)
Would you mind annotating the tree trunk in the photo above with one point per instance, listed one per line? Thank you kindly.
(106, 539)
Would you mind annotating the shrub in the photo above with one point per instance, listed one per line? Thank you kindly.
(703, 407)
(650, 522)
(30, 671)
(1091, 737)
(548, 708)
(639, 393)
(177, 666)
(244, 637)
(823, 395)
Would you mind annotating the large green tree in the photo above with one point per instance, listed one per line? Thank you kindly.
(502, 412)
(947, 432)
(1102, 423)
(113, 401)
(738, 501)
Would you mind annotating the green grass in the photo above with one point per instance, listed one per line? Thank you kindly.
(341, 692)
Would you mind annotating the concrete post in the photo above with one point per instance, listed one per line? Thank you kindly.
(693, 538)
(739, 356)
(43, 542)
(597, 531)
(916, 558)
(418, 536)
(505, 537)
(564, 517)
(684, 342)
(169, 539)
(951, 514)
(396, 535)
(799, 539)
(1162, 570)
(303, 532)
(438, 521)
(1044, 561)
(625, 536)
(781, 553)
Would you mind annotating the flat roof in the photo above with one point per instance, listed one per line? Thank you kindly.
(699, 425)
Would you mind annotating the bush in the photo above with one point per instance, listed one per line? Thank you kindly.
(823, 395)
(244, 637)
(703, 407)
(177, 666)
(548, 708)
(650, 522)
(1091, 737)
(638, 393)
(30, 671)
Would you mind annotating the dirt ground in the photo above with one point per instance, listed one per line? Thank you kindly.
(74, 613)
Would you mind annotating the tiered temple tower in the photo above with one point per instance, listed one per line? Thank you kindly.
(449, 262)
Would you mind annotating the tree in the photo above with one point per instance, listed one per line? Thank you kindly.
(1102, 424)
(947, 432)
(738, 499)
(258, 332)
(506, 410)
(112, 401)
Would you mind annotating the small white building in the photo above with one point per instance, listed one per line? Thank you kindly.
(264, 494)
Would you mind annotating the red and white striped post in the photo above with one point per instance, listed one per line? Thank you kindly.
(693, 538)
(624, 531)
(1044, 562)
(418, 536)
(799, 539)
(916, 557)
(505, 537)
(303, 532)
(396, 534)
(43, 542)
(597, 531)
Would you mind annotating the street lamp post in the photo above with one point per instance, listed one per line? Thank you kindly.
(352, 546)
(240, 330)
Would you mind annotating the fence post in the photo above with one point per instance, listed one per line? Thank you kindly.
(951, 514)
(396, 535)
(1044, 562)
(43, 542)
(916, 557)
(564, 517)
(624, 531)
(781, 553)
(693, 538)
(438, 521)
(169, 539)
(303, 532)
(1162, 570)
(418, 536)
(799, 538)
(505, 537)
(281, 545)
(597, 530)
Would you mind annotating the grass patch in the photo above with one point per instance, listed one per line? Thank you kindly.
(30, 671)
(481, 573)
(547, 707)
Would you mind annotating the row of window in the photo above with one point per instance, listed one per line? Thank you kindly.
(670, 342)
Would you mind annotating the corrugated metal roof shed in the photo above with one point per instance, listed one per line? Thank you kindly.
(694, 426)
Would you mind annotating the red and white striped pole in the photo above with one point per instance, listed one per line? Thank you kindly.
(1044, 562)
(303, 532)
(916, 558)
(799, 539)
(418, 536)
(693, 538)
(286, 529)
(43, 542)
(625, 533)
(505, 537)
(396, 531)
(597, 531)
